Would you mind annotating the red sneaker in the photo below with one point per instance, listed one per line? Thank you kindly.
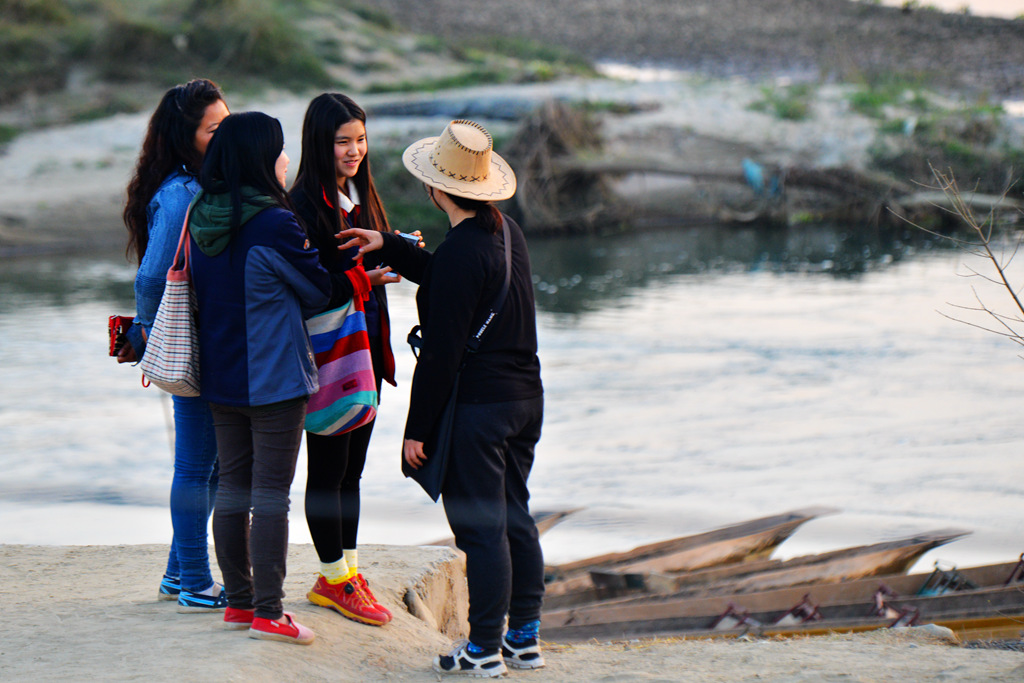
(237, 619)
(373, 599)
(348, 600)
(289, 632)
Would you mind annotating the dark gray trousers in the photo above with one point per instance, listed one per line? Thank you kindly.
(258, 447)
(486, 501)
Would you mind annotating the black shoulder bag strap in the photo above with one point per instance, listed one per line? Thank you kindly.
(476, 339)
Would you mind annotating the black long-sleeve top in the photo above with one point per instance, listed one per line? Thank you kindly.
(338, 263)
(458, 282)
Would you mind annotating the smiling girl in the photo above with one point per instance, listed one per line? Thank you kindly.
(334, 190)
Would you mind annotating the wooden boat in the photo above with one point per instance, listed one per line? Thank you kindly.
(571, 583)
(891, 557)
(978, 602)
(544, 520)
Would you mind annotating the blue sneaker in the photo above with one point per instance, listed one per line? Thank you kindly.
(189, 602)
(170, 586)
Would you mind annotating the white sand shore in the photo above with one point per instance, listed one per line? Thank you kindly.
(109, 626)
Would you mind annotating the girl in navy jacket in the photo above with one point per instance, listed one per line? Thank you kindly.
(256, 278)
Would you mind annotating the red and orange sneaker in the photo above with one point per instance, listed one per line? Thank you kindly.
(236, 619)
(290, 631)
(373, 599)
(347, 599)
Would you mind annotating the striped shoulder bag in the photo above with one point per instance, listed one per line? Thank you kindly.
(171, 360)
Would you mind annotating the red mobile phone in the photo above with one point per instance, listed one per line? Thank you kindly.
(117, 326)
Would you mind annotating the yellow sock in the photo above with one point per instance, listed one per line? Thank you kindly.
(352, 560)
(335, 572)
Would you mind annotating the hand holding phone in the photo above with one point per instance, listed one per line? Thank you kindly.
(415, 237)
(117, 327)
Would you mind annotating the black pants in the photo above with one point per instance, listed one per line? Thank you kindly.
(335, 466)
(332, 489)
(258, 448)
(487, 503)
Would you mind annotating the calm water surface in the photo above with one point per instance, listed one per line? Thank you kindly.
(694, 378)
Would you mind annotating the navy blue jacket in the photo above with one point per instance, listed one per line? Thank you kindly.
(253, 298)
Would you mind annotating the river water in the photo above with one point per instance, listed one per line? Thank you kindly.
(695, 377)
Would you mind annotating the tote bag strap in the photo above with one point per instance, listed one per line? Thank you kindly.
(477, 338)
(183, 240)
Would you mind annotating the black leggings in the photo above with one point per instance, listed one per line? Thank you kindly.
(257, 448)
(332, 489)
(332, 481)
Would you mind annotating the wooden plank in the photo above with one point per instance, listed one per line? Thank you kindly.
(892, 557)
(953, 608)
(780, 599)
(754, 538)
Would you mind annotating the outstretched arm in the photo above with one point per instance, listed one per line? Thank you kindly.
(366, 240)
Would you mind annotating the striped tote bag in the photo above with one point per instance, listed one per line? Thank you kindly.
(347, 397)
(171, 360)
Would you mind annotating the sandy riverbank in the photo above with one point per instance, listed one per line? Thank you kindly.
(62, 189)
(90, 613)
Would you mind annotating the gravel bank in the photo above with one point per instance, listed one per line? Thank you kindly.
(757, 38)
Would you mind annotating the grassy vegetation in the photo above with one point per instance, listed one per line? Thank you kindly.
(968, 139)
(789, 103)
(247, 46)
(7, 133)
(479, 76)
(159, 41)
(877, 92)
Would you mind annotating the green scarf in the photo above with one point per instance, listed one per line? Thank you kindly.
(210, 218)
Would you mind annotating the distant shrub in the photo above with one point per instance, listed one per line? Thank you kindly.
(372, 16)
(35, 11)
(965, 141)
(879, 90)
(7, 133)
(481, 76)
(31, 58)
(790, 103)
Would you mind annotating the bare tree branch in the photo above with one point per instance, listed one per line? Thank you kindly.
(981, 245)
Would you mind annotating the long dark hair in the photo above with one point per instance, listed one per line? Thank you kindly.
(243, 153)
(168, 146)
(318, 174)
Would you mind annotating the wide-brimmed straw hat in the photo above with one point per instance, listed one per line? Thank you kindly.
(461, 161)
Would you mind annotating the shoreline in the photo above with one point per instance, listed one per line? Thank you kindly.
(112, 627)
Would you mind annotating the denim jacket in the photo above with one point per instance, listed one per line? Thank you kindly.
(166, 215)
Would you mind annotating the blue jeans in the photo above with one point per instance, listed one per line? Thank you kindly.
(193, 491)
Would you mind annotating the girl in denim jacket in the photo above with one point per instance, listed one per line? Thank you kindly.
(158, 197)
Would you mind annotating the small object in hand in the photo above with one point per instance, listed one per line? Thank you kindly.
(117, 326)
(411, 237)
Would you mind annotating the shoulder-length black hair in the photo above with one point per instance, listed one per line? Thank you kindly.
(318, 174)
(169, 145)
(487, 214)
(243, 153)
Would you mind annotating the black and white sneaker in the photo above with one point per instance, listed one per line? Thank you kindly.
(524, 655)
(486, 664)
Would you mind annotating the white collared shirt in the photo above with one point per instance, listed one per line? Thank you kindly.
(347, 203)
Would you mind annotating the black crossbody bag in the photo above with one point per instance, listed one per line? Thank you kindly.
(438, 447)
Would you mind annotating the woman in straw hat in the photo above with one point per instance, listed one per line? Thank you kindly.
(500, 408)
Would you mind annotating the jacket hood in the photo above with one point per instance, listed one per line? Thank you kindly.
(210, 218)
